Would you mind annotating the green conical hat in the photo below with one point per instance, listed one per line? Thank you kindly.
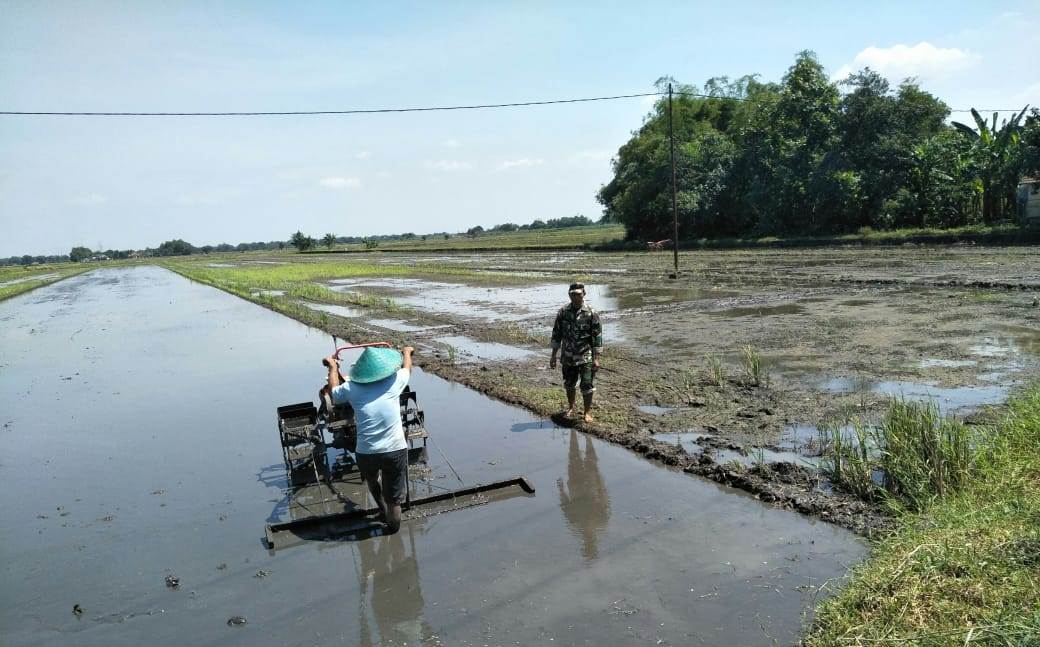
(375, 364)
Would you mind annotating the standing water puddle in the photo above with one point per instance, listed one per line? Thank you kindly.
(694, 445)
(340, 311)
(510, 303)
(491, 351)
(956, 399)
(400, 325)
(143, 447)
(519, 303)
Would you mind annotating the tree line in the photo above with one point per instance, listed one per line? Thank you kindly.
(808, 156)
(299, 240)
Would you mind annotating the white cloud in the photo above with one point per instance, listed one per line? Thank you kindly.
(524, 162)
(923, 61)
(362, 155)
(450, 165)
(452, 143)
(340, 182)
(89, 199)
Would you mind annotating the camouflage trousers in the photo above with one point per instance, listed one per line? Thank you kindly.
(585, 373)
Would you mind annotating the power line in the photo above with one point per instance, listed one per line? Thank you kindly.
(370, 111)
(362, 111)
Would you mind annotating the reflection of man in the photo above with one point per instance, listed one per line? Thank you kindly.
(376, 382)
(578, 337)
(587, 506)
(397, 601)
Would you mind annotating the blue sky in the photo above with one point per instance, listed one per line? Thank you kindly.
(134, 182)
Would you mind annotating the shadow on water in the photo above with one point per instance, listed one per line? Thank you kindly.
(521, 427)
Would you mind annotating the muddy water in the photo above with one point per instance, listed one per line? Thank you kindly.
(137, 441)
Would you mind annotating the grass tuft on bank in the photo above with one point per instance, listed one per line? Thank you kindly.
(965, 568)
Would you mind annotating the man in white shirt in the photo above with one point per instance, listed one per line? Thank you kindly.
(376, 382)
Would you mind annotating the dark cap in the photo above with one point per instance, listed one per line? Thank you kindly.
(576, 287)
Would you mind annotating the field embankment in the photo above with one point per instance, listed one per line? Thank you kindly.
(965, 568)
(15, 280)
(537, 239)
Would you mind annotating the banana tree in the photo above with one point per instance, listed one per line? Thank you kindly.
(998, 154)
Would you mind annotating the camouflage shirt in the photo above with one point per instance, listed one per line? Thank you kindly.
(577, 333)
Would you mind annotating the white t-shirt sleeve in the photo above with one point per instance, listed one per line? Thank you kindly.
(403, 375)
(341, 393)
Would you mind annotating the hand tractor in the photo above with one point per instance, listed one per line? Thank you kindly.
(318, 448)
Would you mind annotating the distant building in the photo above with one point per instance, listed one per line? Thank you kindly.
(1029, 203)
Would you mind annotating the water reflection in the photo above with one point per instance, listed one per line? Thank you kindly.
(585, 502)
(390, 598)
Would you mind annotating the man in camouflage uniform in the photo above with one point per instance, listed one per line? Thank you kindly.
(578, 333)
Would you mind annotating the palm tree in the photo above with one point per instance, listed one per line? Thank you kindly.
(998, 156)
(329, 240)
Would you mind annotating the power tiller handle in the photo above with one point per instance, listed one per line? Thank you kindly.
(369, 345)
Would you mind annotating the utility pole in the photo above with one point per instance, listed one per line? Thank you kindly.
(675, 207)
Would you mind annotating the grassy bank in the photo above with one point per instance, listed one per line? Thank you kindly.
(963, 566)
(17, 279)
(567, 238)
(975, 234)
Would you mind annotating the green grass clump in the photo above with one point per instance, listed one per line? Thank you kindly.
(965, 568)
(918, 455)
(566, 238)
(715, 371)
(754, 370)
(849, 460)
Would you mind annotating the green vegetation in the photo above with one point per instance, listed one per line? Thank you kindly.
(912, 457)
(301, 241)
(568, 238)
(981, 234)
(176, 247)
(996, 151)
(754, 370)
(963, 565)
(80, 254)
(715, 371)
(800, 158)
(16, 280)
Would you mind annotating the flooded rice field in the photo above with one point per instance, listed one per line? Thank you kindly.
(709, 371)
(140, 461)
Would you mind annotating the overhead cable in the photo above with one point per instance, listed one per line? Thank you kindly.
(369, 111)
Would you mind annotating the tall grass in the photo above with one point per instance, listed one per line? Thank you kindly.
(924, 455)
(918, 455)
(754, 370)
(849, 459)
(963, 569)
(715, 371)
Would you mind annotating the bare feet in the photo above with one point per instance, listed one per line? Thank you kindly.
(569, 413)
(588, 417)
